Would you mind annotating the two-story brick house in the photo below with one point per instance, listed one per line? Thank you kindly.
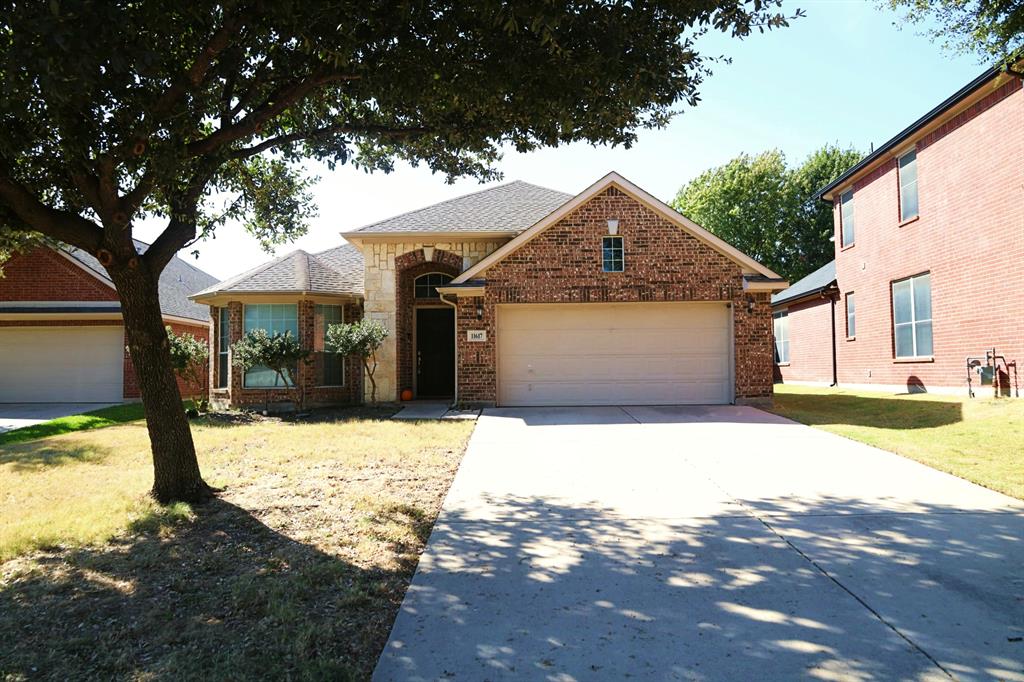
(929, 244)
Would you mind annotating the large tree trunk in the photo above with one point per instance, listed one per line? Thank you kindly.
(176, 474)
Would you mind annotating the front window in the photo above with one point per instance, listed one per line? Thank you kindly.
(611, 254)
(851, 316)
(426, 285)
(330, 366)
(276, 319)
(223, 345)
(846, 216)
(908, 185)
(781, 327)
(912, 316)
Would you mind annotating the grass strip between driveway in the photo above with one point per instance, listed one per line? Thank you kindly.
(107, 416)
(296, 571)
(979, 439)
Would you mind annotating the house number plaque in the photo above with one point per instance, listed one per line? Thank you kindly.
(476, 335)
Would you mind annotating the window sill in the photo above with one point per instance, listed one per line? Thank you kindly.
(922, 358)
(910, 220)
(851, 338)
(782, 364)
(220, 391)
(847, 247)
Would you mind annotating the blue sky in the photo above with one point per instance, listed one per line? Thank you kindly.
(843, 74)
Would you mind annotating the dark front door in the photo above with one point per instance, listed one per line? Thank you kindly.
(435, 352)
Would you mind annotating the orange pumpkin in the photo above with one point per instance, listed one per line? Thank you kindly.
(407, 394)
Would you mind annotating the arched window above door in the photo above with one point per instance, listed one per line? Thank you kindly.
(425, 286)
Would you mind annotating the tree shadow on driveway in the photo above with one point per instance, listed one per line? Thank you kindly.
(544, 590)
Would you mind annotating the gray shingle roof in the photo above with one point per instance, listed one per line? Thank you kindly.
(178, 281)
(817, 281)
(335, 271)
(512, 207)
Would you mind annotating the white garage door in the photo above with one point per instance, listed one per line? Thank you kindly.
(614, 354)
(61, 364)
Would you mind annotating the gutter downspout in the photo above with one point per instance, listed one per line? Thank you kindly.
(835, 364)
(455, 322)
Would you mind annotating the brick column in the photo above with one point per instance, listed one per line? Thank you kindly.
(234, 334)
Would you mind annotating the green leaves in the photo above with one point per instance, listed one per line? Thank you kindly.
(992, 29)
(768, 210)
(186, 351)
(279, 352)
(361, 339)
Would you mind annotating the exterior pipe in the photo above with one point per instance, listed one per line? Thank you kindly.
(455, 322)
(835, 364)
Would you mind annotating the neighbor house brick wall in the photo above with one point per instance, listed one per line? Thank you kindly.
(810, 340)
(308, 373)
(131, 381)
(663, 263)
(381, 293)
(42, 274)
(969, 237)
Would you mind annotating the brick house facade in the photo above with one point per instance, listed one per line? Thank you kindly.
(46, 294)
(964, 244)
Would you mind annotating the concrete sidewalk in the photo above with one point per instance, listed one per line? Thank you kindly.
(707, 543)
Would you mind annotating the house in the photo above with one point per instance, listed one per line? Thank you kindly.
(929, 238)
(517, 295)
(61, 334)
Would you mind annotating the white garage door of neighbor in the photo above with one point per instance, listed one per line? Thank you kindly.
(614, 354)
(61, 364)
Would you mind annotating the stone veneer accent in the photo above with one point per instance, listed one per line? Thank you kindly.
(662, 263)
(237, 396)
(382, 285)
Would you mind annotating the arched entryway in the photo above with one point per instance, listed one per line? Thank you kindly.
(425, 325)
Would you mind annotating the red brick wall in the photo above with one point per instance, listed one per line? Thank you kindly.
(44, 275)
(663, 263)
(810, 341)
(970, 237)
(131, 381)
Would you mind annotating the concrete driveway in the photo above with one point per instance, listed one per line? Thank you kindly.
(707, 544)
(18, 415)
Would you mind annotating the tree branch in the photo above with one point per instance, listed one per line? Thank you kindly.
(280, 140)
(182, 226)
(67, 227)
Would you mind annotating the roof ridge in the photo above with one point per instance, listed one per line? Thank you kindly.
(453, 199)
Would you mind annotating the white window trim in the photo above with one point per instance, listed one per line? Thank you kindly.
(427, 274)
(622, 251)
(778, 315)
(842, 218)
(344, 359)
(913, 317)
(223, 347)
(899, 184)
(846, 303)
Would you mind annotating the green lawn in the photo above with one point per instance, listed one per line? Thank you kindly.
(108, 416)
(296, 571)
(980, 439)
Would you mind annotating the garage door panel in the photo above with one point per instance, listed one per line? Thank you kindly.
(624, 353)
(61, 364)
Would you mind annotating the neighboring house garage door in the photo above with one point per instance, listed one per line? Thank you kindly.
(614, 354)
(61, 364)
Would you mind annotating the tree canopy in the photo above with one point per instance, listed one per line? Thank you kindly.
(200, 112)
(768, 210)
(360, 339)
(993, 29)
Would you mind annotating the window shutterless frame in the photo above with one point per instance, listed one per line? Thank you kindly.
(223, 345)
(780, 325)
(907, 173)
(332, 365)
(425, 286)
(612, 259)
(912, 317)
(851, 316)
(276, 318)
(848, 235)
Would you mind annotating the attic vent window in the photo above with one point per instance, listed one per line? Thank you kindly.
(426, 285)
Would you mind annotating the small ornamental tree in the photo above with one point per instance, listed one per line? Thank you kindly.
(189, 357)
(361, 339)
(281, 353)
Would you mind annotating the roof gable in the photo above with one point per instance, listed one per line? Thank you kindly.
(507, 208)
(336, 271)
(613, 179)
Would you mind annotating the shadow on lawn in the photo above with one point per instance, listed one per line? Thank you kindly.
(855, 410)
(33, 456)
(221, 596)
(540, 590)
